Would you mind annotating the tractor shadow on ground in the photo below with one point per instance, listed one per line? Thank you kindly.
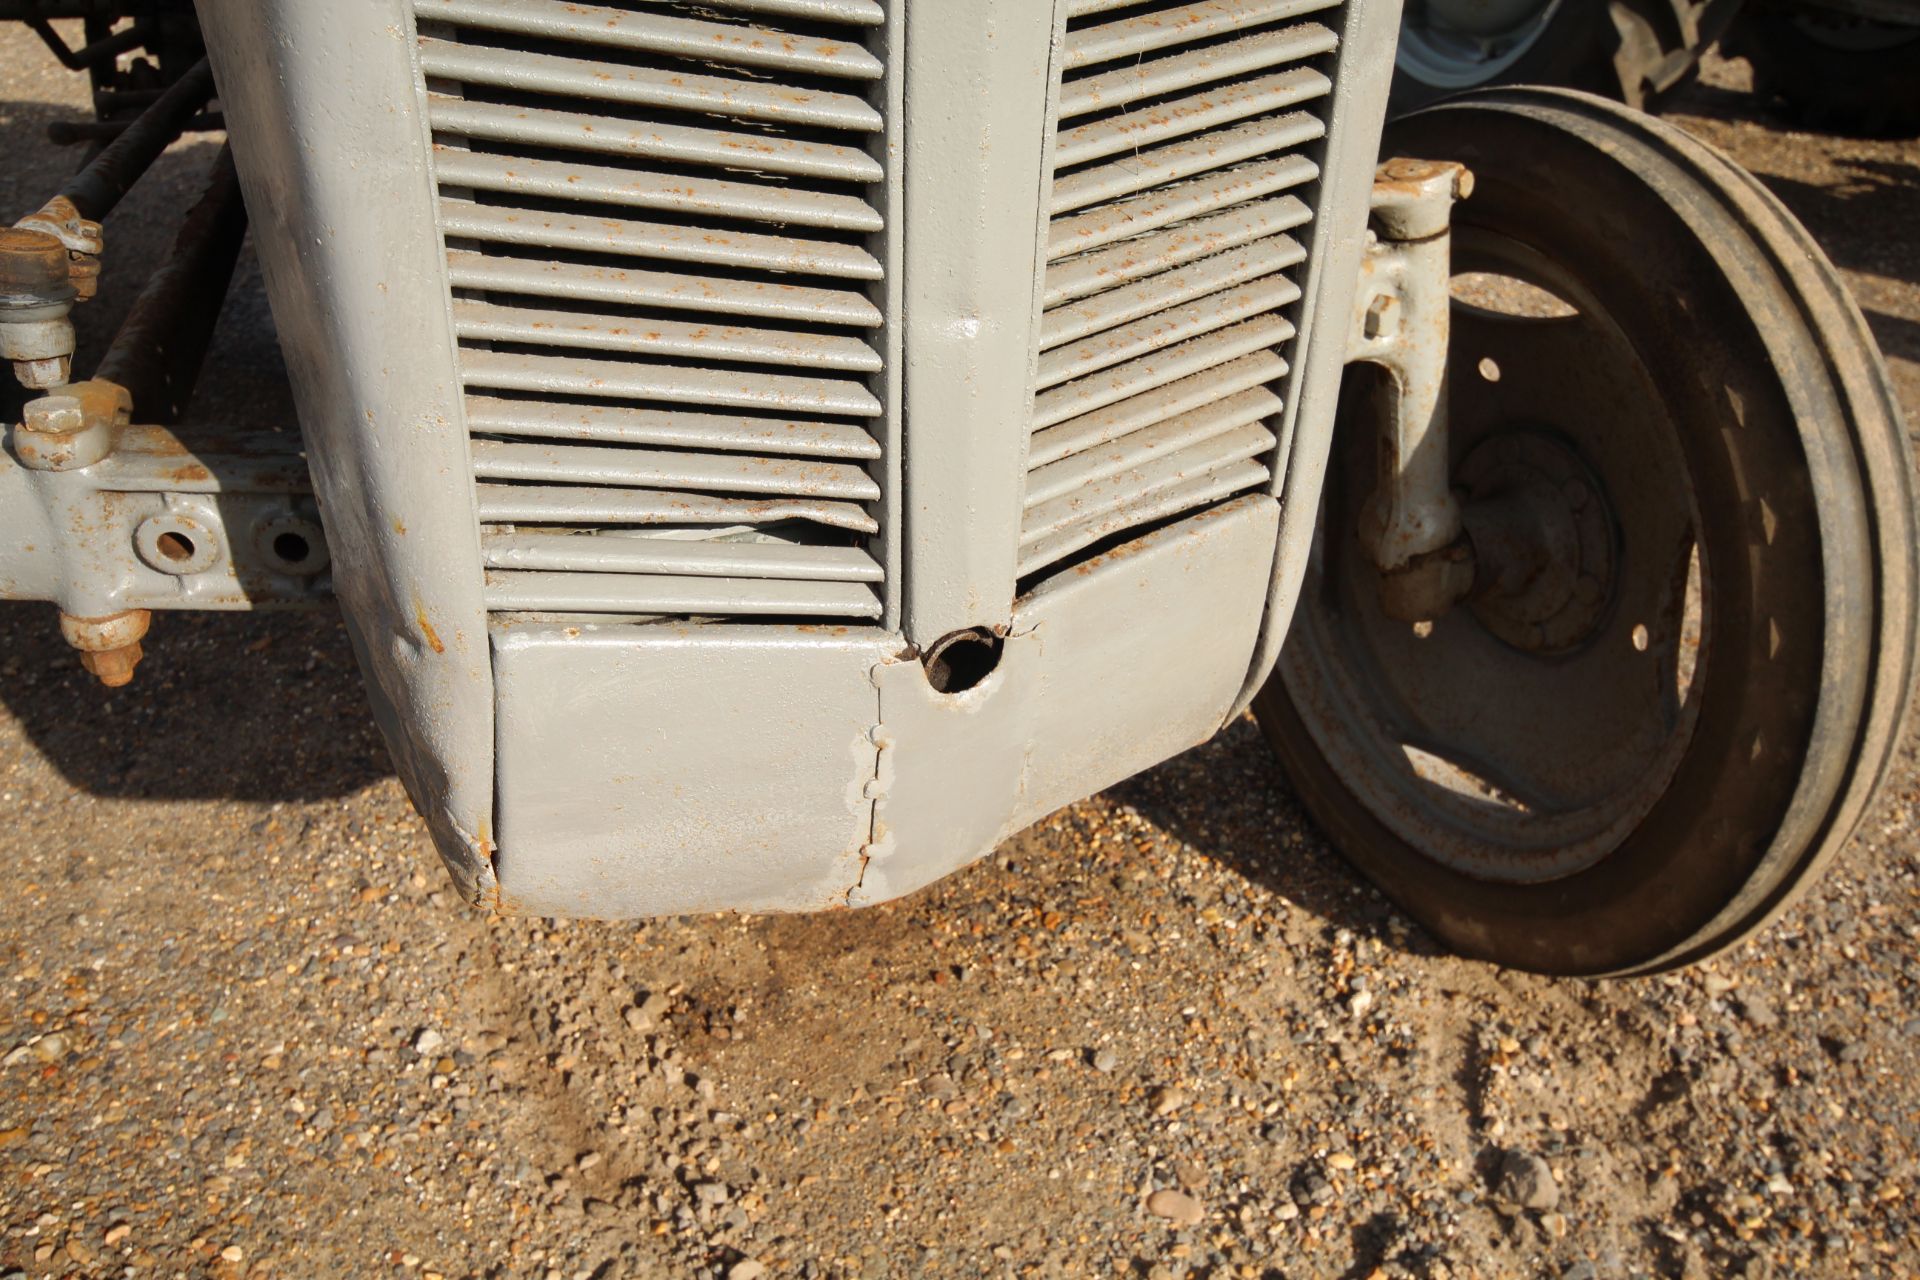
(1229, 800)
(258, 707)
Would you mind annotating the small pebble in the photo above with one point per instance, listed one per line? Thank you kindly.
(1176, 1207)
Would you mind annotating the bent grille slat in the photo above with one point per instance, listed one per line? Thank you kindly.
(668, 262)
(540, 504)
(651, 595)
(680, 558)
(1187, 127)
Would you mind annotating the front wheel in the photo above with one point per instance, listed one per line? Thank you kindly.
(1640, 748)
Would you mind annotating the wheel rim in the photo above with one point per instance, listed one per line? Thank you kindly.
(1523, 737)
(1460, 44)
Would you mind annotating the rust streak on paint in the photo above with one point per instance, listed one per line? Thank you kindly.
(427, 632)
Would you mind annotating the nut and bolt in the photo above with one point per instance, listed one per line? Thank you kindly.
(110, 646)
(36, 293)
(71, 429)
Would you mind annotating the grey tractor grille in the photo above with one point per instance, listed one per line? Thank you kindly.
(1185, 135)
(664, 236)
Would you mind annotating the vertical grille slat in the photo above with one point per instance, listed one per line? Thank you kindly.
(1188, 134)
(669, 269)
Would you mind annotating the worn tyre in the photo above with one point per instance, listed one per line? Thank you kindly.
(1634, 51)
(1645, 803)
(1833, 72)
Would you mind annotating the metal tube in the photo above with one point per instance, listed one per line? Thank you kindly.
(102, 50)
(69, 132)
(156, 355)
(97, 188)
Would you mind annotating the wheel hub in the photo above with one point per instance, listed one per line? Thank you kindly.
(1543, 535)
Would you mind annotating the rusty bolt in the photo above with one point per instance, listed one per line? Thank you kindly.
(54, 416)
(41, 375)
(1383, 316)
(110, 646)
(69, 430)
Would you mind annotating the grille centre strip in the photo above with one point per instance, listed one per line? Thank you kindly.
(1185, 141)
(666, 243)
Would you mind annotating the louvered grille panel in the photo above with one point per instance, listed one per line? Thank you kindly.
(667, 244)
(1185, 146)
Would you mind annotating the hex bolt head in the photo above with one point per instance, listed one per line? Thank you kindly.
(54, 415)
(110, 646)
(1383, 317)
(56, 434)
(41, 375)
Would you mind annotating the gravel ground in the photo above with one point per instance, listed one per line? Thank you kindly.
(1166, 1033)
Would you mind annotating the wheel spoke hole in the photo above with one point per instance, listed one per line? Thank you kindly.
(1510, 296)
(1461, 779)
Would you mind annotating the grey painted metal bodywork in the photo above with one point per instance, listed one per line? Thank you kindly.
(632, 765)
(332, 146)
(1361, 81)
(980, 129)
(681, 768)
